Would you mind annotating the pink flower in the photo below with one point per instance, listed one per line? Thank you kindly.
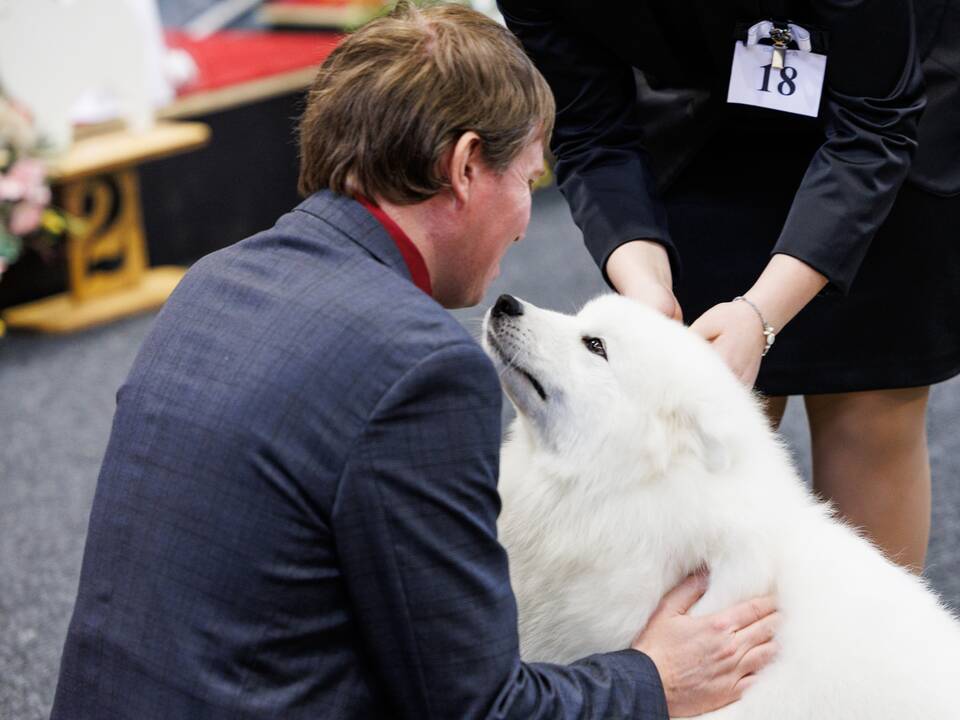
(11, 188)
(30, 170)
(38, 195)
(25, 218)
(25, 180)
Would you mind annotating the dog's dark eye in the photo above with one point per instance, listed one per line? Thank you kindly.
(595, 345)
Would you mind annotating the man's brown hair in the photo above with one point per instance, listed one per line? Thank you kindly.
(396, 95)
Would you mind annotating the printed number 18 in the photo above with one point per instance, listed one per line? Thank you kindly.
(786, 86)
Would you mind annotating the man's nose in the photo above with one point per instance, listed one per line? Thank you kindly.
(507, 305)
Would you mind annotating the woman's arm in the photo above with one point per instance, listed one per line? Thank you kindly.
(872, 104)
(602, 169)
(873, 99)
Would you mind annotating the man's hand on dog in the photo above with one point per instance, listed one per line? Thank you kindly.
(707, 662)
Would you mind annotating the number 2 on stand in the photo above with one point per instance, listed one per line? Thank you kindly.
(785, 80)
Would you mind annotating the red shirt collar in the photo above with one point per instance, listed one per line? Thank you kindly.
(411, 255)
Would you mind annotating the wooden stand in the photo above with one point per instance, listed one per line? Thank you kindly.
(343, 14)
(96, 182)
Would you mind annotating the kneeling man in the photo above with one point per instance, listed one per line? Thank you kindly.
(295, 517)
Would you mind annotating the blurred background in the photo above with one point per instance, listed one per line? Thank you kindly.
(137, 136)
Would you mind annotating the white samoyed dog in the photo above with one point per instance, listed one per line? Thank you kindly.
(636, 458)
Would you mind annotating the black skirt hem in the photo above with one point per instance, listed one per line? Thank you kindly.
(826, 380)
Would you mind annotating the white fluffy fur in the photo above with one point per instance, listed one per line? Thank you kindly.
(637, 470)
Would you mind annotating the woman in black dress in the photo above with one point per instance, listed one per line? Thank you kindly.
(678, 191)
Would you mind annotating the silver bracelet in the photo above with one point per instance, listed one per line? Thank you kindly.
(769, 334)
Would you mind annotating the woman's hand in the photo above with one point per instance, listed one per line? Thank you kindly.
(655, 294)
(781, 291)
(640, 269)
(735, 332)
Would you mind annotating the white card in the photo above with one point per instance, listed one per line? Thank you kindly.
(795, 88)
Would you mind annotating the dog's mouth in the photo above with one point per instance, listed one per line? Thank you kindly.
(512, 364)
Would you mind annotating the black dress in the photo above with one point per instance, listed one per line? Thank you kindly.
(723, 186)
(899, 324)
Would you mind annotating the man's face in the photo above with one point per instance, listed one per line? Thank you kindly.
(499, 215)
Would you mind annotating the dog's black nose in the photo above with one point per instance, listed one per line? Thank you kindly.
(507, 305)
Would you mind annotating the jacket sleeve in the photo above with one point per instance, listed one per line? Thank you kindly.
(415, 528)
(601, 167)
(873, 100)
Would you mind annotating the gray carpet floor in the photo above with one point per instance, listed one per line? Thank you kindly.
(56, 405)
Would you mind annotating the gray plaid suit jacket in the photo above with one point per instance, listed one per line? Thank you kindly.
(295, 517)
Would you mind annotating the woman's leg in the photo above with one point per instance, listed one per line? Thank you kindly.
(774, 406)
(870, 458)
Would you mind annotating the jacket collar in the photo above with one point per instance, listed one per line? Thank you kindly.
(349, 218)
(408, 249)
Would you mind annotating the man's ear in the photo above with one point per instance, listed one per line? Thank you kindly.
(463, 164)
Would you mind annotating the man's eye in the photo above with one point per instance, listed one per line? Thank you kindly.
(595, 345)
